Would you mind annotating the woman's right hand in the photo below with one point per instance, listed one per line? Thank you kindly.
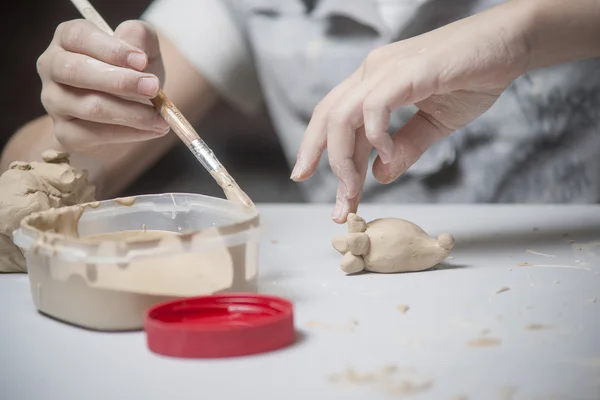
(97, 87)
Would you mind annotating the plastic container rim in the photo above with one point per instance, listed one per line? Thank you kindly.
(71, 249)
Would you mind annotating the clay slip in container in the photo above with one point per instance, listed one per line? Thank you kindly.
(109, 284)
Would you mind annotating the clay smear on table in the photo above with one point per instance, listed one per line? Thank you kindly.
(389, 245)
(538, 327)
(502, 290)
(528, 264)
(484, 342)
(395, 381)
(28, 187)
(537, 253)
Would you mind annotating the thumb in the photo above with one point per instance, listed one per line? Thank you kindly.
(410, 142)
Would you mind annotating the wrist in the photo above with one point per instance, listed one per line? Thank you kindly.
(556, 31)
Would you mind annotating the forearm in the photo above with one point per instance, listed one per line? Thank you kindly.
(560, 31)
(29, 142)
(111, 169)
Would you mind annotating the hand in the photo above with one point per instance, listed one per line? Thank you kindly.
(97, 87)
(452, 74)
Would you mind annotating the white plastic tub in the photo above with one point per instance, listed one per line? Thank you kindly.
(109, 284)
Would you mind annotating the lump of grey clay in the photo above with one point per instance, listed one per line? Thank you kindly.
(389, 245)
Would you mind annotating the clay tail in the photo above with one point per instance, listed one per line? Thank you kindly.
(446, 241)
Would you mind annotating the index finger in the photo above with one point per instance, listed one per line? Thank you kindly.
(314, 141)
(83, 37)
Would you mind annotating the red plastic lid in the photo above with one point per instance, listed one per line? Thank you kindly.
(224, 325)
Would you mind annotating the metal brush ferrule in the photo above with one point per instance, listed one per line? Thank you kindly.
(204, 154)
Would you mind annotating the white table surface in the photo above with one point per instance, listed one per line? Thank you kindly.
(351, 323)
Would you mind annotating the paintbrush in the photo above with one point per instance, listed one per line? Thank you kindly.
(178, 123)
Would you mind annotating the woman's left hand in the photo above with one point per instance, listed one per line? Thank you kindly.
(450, 74)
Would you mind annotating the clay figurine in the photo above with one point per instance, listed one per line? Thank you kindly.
(389, 245)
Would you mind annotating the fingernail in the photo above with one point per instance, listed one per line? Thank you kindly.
(385, 156)
(160, 125)
(297, 171)
(137, 61)
(148, 86)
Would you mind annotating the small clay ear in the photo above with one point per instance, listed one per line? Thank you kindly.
(352, 264)
(340, 243)
(356, 224)
(358, 243)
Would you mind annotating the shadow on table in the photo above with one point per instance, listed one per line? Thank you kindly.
(498, 239)
(443, 266)
(89, 329)
(439, 267)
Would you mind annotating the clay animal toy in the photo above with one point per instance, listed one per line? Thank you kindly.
(389, 245)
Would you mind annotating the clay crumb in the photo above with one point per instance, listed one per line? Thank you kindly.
(537, 253)
(450, 258)
(144, 228)
(593, 300)
(556, 282)
(126, 201)
(484, 342)
(484, 332)
(94, 204)
(502, 289)
(55, 157)
(537, 327)
(524, 264)
(274, 241)
(460, 397)
(403, 308)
